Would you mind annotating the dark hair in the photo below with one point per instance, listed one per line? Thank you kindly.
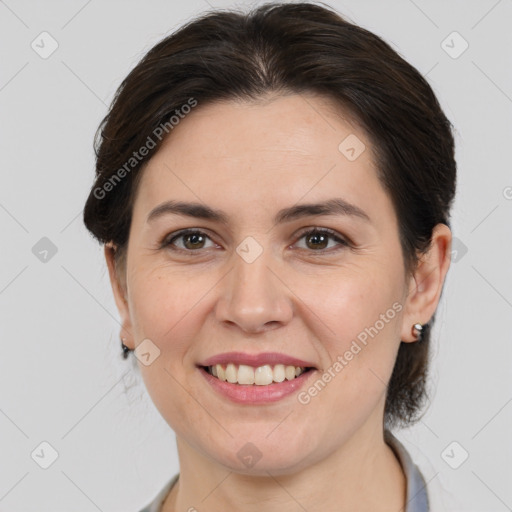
(280, 49)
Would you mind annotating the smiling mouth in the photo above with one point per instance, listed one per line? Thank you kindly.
(258, 376)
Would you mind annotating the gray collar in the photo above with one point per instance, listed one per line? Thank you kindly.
(417, 498)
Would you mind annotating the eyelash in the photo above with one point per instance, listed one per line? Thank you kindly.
(168, 240)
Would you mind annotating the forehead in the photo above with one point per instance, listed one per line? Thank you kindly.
(303, 124)
(275, 150)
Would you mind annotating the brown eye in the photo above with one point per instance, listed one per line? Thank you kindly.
(191, 240)
(318, 239)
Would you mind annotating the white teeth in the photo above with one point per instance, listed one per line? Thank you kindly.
(260, 376)
(245, 375)
(279, 374)
(289, 372)
(221, 373)
(263, 375)
(231, 373)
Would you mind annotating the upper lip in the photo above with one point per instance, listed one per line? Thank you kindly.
(256, 360)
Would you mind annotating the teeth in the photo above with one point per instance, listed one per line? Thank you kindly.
(221, 374)
(279, 373)
(231, 373)
(245, 375)
(261, 376)
(289, 372)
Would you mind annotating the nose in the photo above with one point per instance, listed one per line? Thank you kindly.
(254, 297)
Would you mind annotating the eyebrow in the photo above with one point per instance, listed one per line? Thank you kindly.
(336, 206)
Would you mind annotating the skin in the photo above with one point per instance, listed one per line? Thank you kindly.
(298, 297)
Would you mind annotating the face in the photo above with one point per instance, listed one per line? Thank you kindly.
(326, 287)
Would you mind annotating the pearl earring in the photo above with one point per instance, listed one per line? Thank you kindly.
(417, 331)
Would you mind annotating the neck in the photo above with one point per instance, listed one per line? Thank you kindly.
(363, 475)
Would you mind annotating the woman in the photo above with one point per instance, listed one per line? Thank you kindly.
(273, 191)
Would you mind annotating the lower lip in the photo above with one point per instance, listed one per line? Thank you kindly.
(255, 394)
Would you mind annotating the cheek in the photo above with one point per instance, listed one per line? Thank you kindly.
(352, 300)
(362, 311)
(162, 303)
(165, 308)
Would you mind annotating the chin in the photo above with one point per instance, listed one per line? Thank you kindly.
(264, 466)
(259, 458)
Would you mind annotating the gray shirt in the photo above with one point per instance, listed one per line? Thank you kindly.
(417, 499)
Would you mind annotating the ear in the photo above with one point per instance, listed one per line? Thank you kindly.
(119, 290)
(426, 284)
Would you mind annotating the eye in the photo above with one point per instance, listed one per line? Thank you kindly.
(318, 239)
(192, 239)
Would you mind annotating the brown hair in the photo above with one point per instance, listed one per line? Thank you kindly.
(281, 49)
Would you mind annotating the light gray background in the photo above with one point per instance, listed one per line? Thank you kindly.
(62, 379)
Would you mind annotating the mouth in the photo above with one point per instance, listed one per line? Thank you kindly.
(255, 379)
(265, 375)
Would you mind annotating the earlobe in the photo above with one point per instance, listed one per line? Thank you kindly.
(427, 283)
(119, 295)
